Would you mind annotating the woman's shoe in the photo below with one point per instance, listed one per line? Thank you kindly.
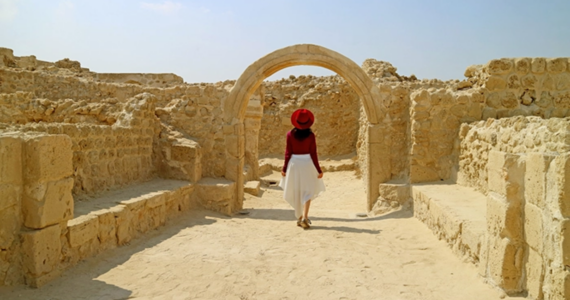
(299, 222)
(305, 224)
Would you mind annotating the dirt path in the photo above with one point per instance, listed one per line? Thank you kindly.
(263, 255)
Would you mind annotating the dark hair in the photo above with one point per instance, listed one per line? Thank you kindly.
(301, 134)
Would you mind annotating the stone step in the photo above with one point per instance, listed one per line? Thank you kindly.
(455, 213)
(216, 194)
(252, 187)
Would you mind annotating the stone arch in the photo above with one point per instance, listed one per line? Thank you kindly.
(235, 105)
(296, 55)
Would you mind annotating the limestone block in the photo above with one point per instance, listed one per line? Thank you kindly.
(533, 227)
(505, 175)
(556, 65)
(535, 177)
(399, 192)
(122, 223)
(499, 66)
(503, 218)
(107, 234)
(534, 270)
(44, 204)
(235, 145)
(421, 97)
(495, 83)
(522, 65)
(185, 152)
(376, 133)
(41, 250)
(529, 81)
(489, 113)
(548, 83)
(136, 206)
(504, 264)
(558, 184)
(234, 166)
(10, 195)
(156, 208)
(252, 187)
(82, 230)
(420, 173)
(538, 65)
(565, 244)
(513, 81)
(10, 160)
(216, 194)
(484, 255)
(9, 224)
(46, 158)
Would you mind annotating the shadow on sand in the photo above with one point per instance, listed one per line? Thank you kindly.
(83, 275)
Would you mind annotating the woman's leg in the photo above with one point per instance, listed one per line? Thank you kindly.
(306, 210)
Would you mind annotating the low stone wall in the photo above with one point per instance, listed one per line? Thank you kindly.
(39, 236)
(522, 166)
(510, 135)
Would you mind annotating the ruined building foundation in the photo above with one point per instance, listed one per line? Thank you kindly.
(484, 162)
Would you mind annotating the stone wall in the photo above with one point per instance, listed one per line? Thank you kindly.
(39, 236)
(331, 99)
(510, 135)
(104, 156)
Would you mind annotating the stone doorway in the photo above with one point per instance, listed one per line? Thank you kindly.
(377, 166)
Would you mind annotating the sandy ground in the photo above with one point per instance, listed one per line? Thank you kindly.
(264, 255)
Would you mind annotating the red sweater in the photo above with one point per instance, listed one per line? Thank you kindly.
(306, 146)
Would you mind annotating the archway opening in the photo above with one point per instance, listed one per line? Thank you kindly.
(236, 105)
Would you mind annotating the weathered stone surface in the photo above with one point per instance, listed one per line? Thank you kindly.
(49, 203)
(46, 158)
(534, 270)
(10, 160)
(533, 227)
(252, 187)
(535, 177)
(41, 250)
(505, 261)
(503, 218)
(82, 230)
(107, 228)
(499, 66)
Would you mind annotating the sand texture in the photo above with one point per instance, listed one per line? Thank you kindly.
(264, 255)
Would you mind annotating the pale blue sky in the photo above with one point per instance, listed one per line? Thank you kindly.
(209, 41)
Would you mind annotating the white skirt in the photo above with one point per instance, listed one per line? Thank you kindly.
(301, 182)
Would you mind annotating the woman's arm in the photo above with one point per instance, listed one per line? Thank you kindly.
(288, 153)
(314, 156)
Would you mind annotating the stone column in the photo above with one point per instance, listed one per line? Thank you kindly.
(378, 161)
(503, 250)
(46, 204)
(10, 207)
(252, 123)
(536, 216)
(557, 229)
(235, 158)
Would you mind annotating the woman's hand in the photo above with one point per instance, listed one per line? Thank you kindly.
(283, 174)
(320, 175)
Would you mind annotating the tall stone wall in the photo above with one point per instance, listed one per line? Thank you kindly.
(331, 99)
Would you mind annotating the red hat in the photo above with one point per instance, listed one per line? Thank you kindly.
(302, 118)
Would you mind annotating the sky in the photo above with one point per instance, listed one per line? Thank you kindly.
(215, 40)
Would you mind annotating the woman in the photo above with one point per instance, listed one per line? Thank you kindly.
(302, 175)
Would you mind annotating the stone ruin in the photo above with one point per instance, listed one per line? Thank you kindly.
(89, 161)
